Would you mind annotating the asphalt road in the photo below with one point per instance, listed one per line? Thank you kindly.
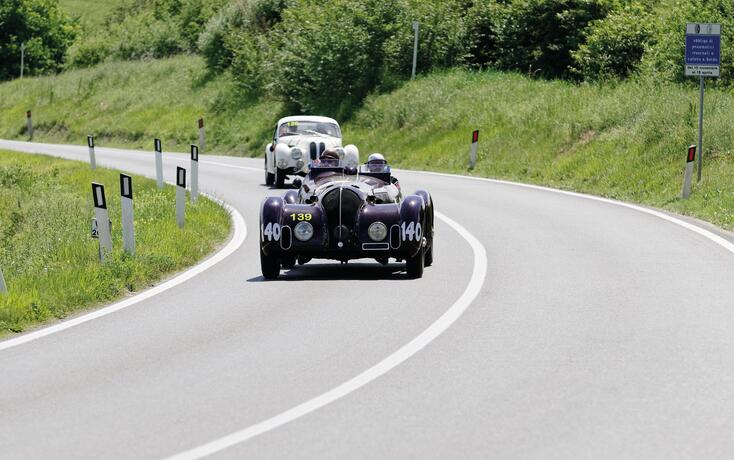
(550, 326)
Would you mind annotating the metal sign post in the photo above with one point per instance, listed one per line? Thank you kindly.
(180, 196)
(703, 59)
(3, 286)
(416, 26)
(202, 137)
(158, 163)
(128, 224)
(29, 125)
(103, 221)
(194, 173)
(22, 58)
(686, 192)
(474, 145)
(92, 159)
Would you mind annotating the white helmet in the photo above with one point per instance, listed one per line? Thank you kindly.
(376, 158)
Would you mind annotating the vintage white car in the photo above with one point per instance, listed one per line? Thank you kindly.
(297, 141)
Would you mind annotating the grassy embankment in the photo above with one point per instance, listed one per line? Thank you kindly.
(48, 258)
(625, 140)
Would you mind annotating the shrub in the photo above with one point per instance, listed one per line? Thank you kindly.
(483, 22)
(44, 28)
(615, 45)
(538, 36)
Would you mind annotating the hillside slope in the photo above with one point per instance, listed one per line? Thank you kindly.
(626, 141)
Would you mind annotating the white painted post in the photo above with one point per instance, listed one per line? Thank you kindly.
(126, 202)
(416, 26)
(92, 159)
(103, 220)
(180, 196)
(22, 58)
(3, 286)
(158, 163)
(474, 145)
(194, 173)
(29, 125)
(202, 137)
(686, 192)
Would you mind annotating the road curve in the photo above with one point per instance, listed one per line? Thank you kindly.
(598, 331)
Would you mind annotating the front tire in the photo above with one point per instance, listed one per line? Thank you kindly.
(279, 178)
(270, 266)
(269, 177)
(414, 265)
(429, 255)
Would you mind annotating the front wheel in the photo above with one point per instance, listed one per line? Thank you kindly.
(270, 266)
(414, 265)
(429, 255)
(279, 178)
(269, 177)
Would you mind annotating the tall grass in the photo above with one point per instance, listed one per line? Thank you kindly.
(626, 141)
(130, 103)
(48, 258)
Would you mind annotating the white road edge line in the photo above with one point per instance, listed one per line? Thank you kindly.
(723, 242)
(479, 272)
(238, 237)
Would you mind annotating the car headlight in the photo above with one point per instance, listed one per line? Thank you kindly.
(296, 153)
(303, 231)
(300, 164)
(282, 163)
(377, 231)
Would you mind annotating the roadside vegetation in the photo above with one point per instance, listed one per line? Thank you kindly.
(49, 260)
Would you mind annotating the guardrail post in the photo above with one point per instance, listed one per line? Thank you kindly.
(180, 196)
(194, 173)
(102, 218)
(29, 125)
(3, 286)
(158, 163)
(474, 145)
(202, 137)
(92, 159)
(686, 192)
(128, 223)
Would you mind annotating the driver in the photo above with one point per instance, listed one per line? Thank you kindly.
(376, 163)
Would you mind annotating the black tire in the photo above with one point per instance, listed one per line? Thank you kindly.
(288, 262)
(269, 177)
(429, 255)
(279, 178)
(270, 266)
(414, 265)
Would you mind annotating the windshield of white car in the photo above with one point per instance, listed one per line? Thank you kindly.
(293, 128)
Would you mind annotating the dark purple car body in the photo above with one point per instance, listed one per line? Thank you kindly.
(342, 214)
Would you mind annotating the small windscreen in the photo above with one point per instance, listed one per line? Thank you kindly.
(374, 168)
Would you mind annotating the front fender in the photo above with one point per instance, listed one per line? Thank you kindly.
(412, 223)
(271, 212)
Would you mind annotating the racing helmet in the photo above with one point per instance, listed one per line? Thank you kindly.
(329, 154)
(376, 162)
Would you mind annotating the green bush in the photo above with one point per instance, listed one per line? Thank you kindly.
(538, 36)
(483, 22)
(44, 28)
(614, 45)
(664, 58)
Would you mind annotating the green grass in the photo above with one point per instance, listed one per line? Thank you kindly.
(48, 258)
(90, 12)
(625, 140)
(131, 103)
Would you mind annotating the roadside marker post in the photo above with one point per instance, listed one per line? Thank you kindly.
(29, 125)
(180, 196)
(194, 173)
(474, 145)
(92, 159)
(686, 191)
(22, 58)
(158, 163)
(128, 223)
(702, 59)
(101, 224)
(3, 286)
(416, 27)
(202, 137)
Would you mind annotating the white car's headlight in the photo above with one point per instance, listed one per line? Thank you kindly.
(377, 231)
(296, 153)
(282, 163)
(303, 231)
(300, 164)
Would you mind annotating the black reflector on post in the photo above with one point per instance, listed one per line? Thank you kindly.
(126, 186)
(98, 196)
(194, 152)
(181, 177)
(157, 145)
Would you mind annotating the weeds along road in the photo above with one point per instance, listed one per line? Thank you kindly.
(596, 331)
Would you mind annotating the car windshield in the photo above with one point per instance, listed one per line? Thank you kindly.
(325, 163)
(374, 168)
(292, 128)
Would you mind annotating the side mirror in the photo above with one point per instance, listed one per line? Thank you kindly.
(272, 147)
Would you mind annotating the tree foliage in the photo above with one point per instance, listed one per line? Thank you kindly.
(45, 30)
